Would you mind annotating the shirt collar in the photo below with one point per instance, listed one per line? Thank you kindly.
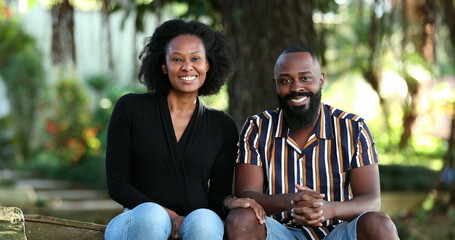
(325, 132)
(325, 120)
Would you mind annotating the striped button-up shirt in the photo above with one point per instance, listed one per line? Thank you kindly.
(340, 142)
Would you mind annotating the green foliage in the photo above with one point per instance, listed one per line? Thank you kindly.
(88, 172)
(98, 82)
(106, 96)
(7, 143)
(13, 40)
(218, 101)
(75, 133)
(22, 71)
(409, 156)
(68, 126)
(451, 214)
(407, 178)
(326, 5)
(202, 8)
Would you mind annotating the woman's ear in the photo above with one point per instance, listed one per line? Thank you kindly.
(207, 66)
(164, 68)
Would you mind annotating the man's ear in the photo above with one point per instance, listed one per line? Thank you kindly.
(164, 68)
(273, 80)
(322, 79)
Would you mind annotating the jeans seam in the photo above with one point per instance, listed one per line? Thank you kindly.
(128, 223)
(181, 231)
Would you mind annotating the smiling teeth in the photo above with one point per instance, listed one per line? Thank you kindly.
(188, 78)
(298, 100)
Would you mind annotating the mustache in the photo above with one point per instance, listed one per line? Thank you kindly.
(299, 94)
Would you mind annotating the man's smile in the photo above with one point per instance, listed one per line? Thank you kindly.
(298, 99)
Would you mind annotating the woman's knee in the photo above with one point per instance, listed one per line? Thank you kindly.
(141, 222)
(149, 211)
(150, 218)
(202, 224)
(204, 217)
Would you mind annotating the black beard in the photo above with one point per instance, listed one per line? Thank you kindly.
(298, 117)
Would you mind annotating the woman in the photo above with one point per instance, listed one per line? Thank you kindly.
(169, 158)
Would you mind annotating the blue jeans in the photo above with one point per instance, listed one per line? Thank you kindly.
(277, 231)
(151, 221)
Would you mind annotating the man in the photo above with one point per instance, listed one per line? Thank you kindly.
(313, 167)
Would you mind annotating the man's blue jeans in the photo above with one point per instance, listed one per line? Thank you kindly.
(277, 231)
(151, 221)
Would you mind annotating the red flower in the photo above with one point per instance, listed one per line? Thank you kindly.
(51, 128)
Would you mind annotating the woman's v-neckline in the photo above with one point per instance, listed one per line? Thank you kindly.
(189, 126)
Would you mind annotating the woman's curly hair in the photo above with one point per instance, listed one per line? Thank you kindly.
(153, 55)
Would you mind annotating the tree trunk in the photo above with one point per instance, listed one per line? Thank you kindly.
(107, 33)
(370, 73)
(409, 110)
(449, 160)
(424, 40)
(63, 47)
(449, 15)
(371, 70)
(259, 31)
(446, 183)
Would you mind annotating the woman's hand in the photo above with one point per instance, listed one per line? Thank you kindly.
(231, 203)
(176, 222)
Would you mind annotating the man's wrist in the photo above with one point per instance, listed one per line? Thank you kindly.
(224, 207)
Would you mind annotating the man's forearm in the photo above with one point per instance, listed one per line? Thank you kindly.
(348, 210)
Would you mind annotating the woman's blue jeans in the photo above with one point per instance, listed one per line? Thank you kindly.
(151, 221)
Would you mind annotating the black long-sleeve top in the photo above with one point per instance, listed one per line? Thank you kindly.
(145, 163)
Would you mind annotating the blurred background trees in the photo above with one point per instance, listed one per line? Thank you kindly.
(390, 61)
(23, 76)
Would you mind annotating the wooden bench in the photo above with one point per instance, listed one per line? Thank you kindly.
(38, 227)
(16, 226)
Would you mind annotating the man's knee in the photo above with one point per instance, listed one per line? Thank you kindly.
(376, 225)
(242, 219)
(376, 219)
(242, 223)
